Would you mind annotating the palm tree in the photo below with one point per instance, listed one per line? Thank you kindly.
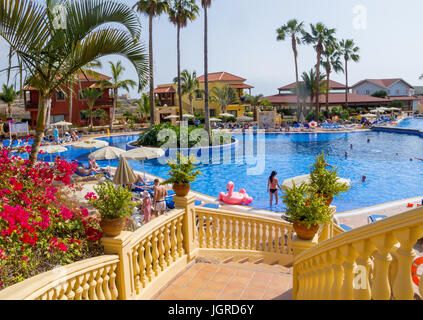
(206, 4)
(224, 96)
(190, 86)
(50, 54)
(152, 8)
(115, 84)
(293, 29)
(254, 101)
(350, 52)
(320, 36)
(180, 12)
(331, 61)
(143, 106)
(8, 96)
(91, 95)
(310, 85)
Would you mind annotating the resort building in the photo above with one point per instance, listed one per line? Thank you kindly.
(397, 89)
(167, 95)
(60, 106)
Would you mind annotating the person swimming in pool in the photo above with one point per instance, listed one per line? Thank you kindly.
(272, 187)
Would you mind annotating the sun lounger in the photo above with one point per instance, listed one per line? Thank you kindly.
(345, 227)
(6, 143)
(375, 218)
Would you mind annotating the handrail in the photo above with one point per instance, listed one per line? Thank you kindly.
(90, 279)
(326, 271)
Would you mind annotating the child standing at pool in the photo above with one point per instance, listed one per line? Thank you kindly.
(272, 187)
(146, 206)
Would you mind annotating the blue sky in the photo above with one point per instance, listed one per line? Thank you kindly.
(242, 41)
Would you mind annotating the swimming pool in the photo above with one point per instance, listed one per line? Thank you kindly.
(411, 123)
(385, 161)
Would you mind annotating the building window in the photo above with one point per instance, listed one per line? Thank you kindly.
(233, 112)
(367, 92)
(60, 95)
(212, 112)
(397, 92)
(199, 96)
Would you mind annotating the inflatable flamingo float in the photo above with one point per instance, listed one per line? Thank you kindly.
(235, 197)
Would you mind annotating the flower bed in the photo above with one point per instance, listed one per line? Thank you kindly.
(40, 226)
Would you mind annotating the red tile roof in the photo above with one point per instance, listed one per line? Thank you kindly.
(221, 76)
(332, 84)
(241, 86)
(334, 98)
(404, 98)
(92, 76)
(168, 89)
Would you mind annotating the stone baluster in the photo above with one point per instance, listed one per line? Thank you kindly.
(167, 247)
(252, 234)
(269, 238)
(155, 254)
(78, 287)
(338, 274)
(350, 255)
(148, 259)
(92, 283)
(289, 241)
(99, 285)
(403, 285)
(314, 275)
(233, 233)
(137, 271)
(215, 229)
(228, 232)
(106, 283)
(173, 240)
(321, 277)
(259, 228)
(381, 289)
(180, 237)
(85, 287)
(70, 292)
(201, 230)
(364, 249)
(142, 263)
(308, 287)
(162, 262)
(209, 242)
(241, 239)
(113, 287)
(221, 233)
(329, 276)
(263, 237)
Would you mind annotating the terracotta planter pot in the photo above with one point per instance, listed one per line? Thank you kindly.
(181, 190)
(328, 200)
(112, 227)
(303, 232)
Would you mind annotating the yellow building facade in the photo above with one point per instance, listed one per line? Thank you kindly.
(167, 95)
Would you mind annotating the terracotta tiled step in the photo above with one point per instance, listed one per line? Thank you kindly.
(229, 281)
(260, 267)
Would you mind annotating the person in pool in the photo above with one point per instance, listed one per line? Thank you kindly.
(272, 187)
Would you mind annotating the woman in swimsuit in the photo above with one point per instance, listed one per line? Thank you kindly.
(272, 187)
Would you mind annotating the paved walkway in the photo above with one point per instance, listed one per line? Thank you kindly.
(228, 282)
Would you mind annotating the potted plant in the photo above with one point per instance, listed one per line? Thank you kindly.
(326, 182)
(306, 209)
(114, 205)
(182, 172)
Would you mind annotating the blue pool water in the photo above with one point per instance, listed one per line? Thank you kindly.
(412, 123)
(385, 161)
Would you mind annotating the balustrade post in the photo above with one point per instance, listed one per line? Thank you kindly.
(326, 232)
(364, 249)
(120, 245)
(299, 245)
(381, 289)
(189, 229)
(403, 285)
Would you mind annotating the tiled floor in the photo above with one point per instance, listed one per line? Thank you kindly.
(228, 282)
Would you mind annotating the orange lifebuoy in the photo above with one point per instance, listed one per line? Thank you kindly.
(416, 277)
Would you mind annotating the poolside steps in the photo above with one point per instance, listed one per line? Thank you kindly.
(257, 265)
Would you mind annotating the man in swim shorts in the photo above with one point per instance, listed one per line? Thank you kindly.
(160, 193)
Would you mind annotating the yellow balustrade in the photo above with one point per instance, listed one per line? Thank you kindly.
(370, 262)
(226, 233)
(90, 279)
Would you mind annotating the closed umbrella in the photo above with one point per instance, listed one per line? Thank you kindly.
(124, 173)
(90, 144)
(107, 153)
(288, 183)
(143, 153)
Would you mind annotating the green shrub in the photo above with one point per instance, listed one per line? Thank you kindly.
(182, 170)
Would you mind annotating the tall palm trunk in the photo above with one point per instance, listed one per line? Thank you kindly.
(9, 106)
(327, 87)
(191, 107)
(44, 106)
(206, 75)
(112, 118)
(319, 50)
(151, 69)
(299, 106)
(311, 102)
(346, 83)
(71, 100)
(179, 73)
